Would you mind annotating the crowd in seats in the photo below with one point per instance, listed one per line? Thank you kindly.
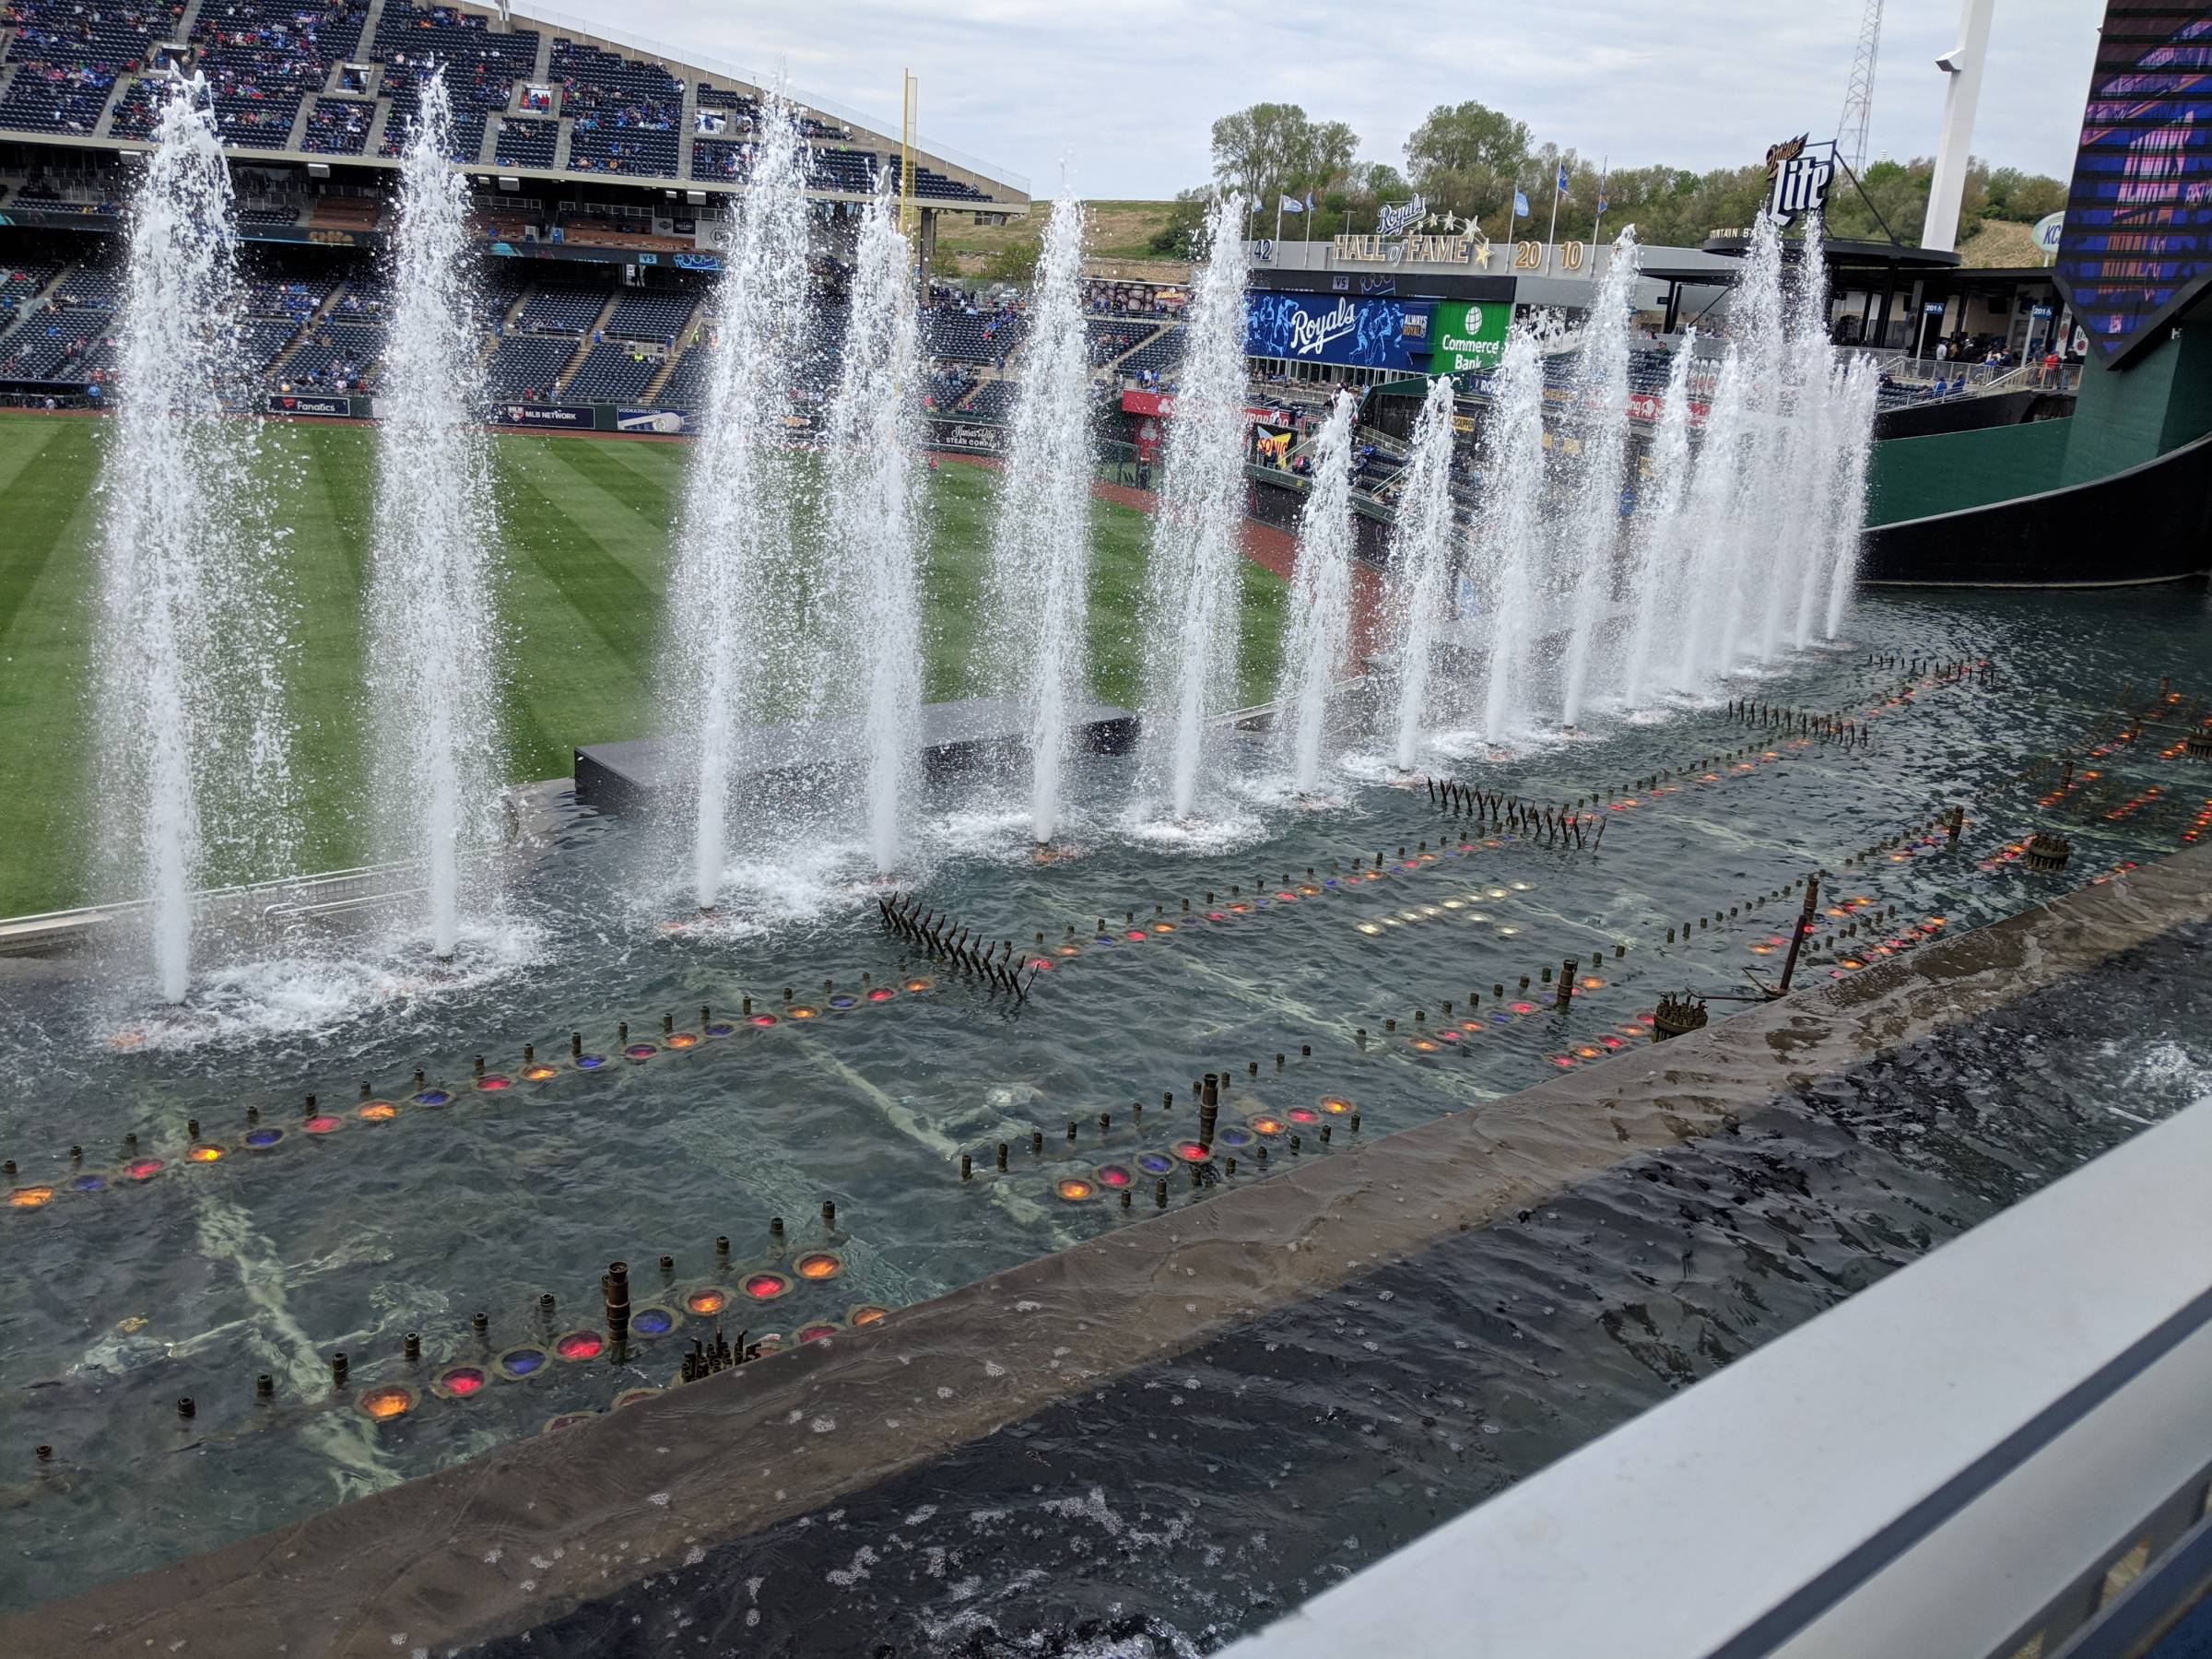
(721, 159)
(943, 385)
(260, 57)
(650, 314)
(137, 110)
(338, 126)
(846, 169)
(527, 143)
(261, 339)
(994, 400)
(296, 300)
(613, 371)
(738, 106)
(72, 337)
(526, 366)
(960, 331)
(340, 355)
(624, 114)
(1107, 339)
(563, 310)
(481, 68)
(69, 54)
(19, 285)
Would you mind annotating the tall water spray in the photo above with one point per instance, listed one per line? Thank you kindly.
(1040, 551)
(1746, 566)
(1317, 646)
(1601, 406)
(1508, 541)
(1709, 527)
(431, 632)
(1808, 458)
(872, 535)
(1192, 584)
(1660, 586)
(1421, 562)
(1857, 392)
(734, 546)
(194, 782)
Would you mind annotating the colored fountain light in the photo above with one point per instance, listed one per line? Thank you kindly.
(29, 1198)
(651, 1321)
(682, 1039)
(867, 1313)
(631, 1397)
(580, 1344)
(1300, 1114)
(640, 1051)
(204, 1153)
(761, 1019)
(429, 1097)
(1236, 1137)
(539, 1072)
(321, 1123)
(262, 1138)
(1192, 1151)
(459, 1381)
(817, 1333)
(841, 1001)
(711, 1299)
(760, 1287)
(525, 1360)
(1074, 1188)
(1155, 1163)
(1336, 1105)
(881, 993)
(376, 1112)
(817, 1265)
(1114, 1175)
(86, 1183)
(385, 1402)
(568, 1419)
(144, 1168)
(916, 986)
(589, 1062)
(1267, 1126)
(800, 1011)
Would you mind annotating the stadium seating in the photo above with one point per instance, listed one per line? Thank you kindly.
(563, 310)
(1108, 338)
(261, 56)
(69, 56)
(528, 365)
(720, 158)
(935, 185)
(971, 336)
(650, 314)
(338, 126)
(994, 400)
(842, 169)
(1162, 355)
(481, 68)
(613, 372)
(624, 116)
(526, 142)
(332, 351)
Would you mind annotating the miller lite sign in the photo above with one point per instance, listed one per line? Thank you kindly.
(1801, 180)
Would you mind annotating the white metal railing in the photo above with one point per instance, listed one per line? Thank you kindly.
(1990, 1453)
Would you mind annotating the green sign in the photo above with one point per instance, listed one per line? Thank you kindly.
(1466, 337)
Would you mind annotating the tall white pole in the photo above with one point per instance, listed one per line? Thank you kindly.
(1963, 64)
(1553, 232)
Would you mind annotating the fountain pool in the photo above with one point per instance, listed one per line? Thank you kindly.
(272, 1235)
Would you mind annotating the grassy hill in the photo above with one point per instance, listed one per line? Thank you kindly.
(586, 525)
(1121, 235)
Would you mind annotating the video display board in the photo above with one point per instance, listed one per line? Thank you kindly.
(1334, 328)
(2137, 246)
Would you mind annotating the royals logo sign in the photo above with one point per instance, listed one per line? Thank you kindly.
(1800, 180)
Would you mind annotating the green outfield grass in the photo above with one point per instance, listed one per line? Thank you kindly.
(587, 546)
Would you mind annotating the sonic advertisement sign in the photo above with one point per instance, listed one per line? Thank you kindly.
(1334, 328)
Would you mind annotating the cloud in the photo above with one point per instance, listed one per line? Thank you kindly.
(1125, 95)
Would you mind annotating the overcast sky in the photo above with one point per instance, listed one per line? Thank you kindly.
(1124, 94)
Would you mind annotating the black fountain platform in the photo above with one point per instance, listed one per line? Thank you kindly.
(625, 777)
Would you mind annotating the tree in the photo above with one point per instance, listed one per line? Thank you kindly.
(2023, 197)
(1016, 263)
(1271, 150)
(1178, 239)
(1462, 139)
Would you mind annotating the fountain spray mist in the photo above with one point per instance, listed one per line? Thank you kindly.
(1745, 548)
(1708, 525)
(1421, 563)
(1510, 544)
(871, 537)
(735, 539)
(1658, 588)
(1601, 394)
(1318, 645)
(1040, 551)
(1857, 392)
(195, 614)
(431, 635)
(1192, 585)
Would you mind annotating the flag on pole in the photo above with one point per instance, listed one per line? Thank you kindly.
(1292, 205)
(1309, 201)
(1562, 178)
(1520, 206)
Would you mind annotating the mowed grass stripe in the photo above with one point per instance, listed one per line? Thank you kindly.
(587, 528)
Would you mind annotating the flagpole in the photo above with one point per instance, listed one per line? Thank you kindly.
(1512, 202)
(1279, 215)
(1554, 230)
(1604, 168)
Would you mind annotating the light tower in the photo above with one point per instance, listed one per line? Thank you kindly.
(1858, 98)
(1963, 63)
